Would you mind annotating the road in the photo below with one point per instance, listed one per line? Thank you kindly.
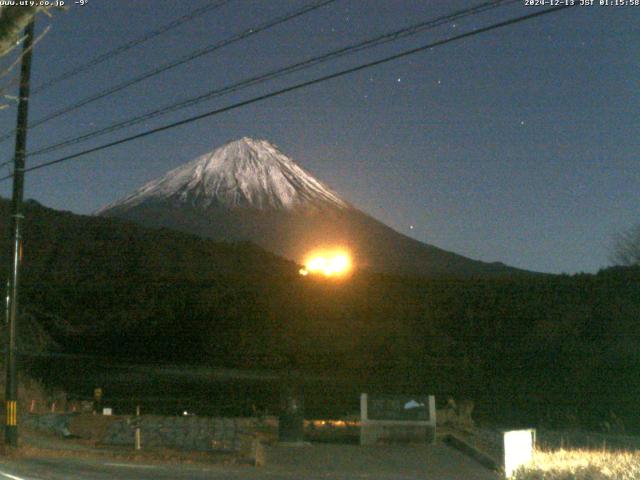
(334, 462)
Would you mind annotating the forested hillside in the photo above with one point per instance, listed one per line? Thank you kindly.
(552, 349)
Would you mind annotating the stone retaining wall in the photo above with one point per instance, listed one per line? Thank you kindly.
(55, 423)
(188, 433)
(184, 433)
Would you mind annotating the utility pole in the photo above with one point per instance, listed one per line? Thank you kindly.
(11, 392)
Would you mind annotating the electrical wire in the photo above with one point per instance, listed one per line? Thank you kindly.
(181, 61)
(198, 12)
(299, 86)
(257, 80)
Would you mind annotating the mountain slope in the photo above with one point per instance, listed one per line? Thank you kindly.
(94, 276)
(249, 190)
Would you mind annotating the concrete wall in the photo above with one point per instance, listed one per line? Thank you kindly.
(375, 433)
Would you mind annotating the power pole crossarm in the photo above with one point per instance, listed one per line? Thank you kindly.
(11, 395)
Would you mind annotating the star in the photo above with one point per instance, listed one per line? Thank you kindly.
(521, 122)
(399, 80)
(439, 82)
(410, 227)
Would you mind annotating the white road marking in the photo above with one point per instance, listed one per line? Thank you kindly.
(12, 477)
(128, 465)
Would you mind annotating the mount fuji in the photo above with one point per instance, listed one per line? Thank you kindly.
(248, 190)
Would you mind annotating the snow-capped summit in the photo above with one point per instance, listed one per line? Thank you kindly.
(244, 173)
(248, 190)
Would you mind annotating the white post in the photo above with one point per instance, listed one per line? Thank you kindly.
(364, 416)
(432, 410)
(138, 439)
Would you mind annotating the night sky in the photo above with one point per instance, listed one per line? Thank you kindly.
(519, 145)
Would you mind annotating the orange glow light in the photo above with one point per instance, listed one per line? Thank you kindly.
(329, 264)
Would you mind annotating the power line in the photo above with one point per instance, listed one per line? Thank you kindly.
(129, 45)
(181, 61)
(256, 80)
(298, 86)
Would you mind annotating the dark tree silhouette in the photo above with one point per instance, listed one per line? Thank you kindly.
(12, 21)
(626, 247)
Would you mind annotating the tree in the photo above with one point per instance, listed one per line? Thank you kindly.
(12, 22)
(626, 247)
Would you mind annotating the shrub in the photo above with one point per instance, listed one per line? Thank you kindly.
(581, 465)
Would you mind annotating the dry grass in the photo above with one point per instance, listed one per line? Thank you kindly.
(582, 465)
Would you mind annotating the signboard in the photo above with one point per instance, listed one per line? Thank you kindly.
(399, 408)
(397, 418)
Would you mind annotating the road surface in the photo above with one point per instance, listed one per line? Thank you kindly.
(333, 462)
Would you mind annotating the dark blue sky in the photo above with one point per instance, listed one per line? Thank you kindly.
(519, 145)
